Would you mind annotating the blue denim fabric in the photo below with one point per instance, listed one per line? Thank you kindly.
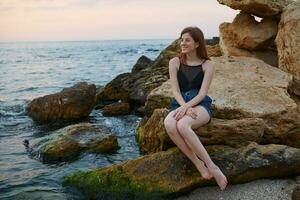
(188, 95)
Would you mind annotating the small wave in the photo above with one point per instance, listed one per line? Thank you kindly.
(154, 50)
(11, 123)
(36, 73)
(36, 192)
(13, 110)
(4, 133)
(27, 89)
(4, 113)
(65, 56)
(94, 50)
(85, 79)
(127, 51)
(32, 73)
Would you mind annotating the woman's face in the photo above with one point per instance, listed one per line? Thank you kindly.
(187, 43)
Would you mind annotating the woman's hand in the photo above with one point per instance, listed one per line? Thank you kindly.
(192, 113)
(180, 112)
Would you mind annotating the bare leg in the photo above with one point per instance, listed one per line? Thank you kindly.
(184, 126)
(171, 128)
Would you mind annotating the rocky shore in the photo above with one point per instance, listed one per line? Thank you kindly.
(254, 133)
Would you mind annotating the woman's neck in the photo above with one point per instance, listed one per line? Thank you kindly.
(192, 57)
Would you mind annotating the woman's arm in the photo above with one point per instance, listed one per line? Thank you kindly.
(208, 75)
(173, 68)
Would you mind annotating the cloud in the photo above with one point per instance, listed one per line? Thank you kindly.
(46, 5)
(6, 8)
(107, 19)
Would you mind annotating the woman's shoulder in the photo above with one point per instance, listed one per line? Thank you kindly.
(174, 62)
(208, 64)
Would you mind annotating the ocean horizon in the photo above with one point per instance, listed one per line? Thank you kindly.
(87, 40)
(96, 40)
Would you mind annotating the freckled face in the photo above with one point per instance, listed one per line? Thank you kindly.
(187, 43)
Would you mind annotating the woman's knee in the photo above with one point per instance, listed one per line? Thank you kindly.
(183, 126)
(170, 124)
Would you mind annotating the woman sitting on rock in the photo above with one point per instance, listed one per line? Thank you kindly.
(191, 73)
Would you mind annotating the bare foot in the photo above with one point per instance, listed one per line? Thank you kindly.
(203, 170)
(219, 176)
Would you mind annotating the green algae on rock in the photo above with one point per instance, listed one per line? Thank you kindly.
(113, 184)
(171, 173)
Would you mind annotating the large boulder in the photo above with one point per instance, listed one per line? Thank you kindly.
(288, 39)
(152, 137)
(260, 8)
(228, 40)
(171, 173)
(238, 89)
(68, 143)
(294, 87)
(142, 63)
(151, 134)
(71, 103)
(247, 33)
(248, 88)
(114, 90)
(214, 50)
(160, 97)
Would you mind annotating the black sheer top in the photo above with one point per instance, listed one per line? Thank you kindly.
(190, 77)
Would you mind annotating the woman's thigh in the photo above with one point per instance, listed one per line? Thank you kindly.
(202, 118)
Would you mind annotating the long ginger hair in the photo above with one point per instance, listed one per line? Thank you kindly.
(197, 36)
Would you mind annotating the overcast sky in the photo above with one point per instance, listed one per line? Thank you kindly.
(65, 20)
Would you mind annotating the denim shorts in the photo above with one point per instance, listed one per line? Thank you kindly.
(190, 94)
